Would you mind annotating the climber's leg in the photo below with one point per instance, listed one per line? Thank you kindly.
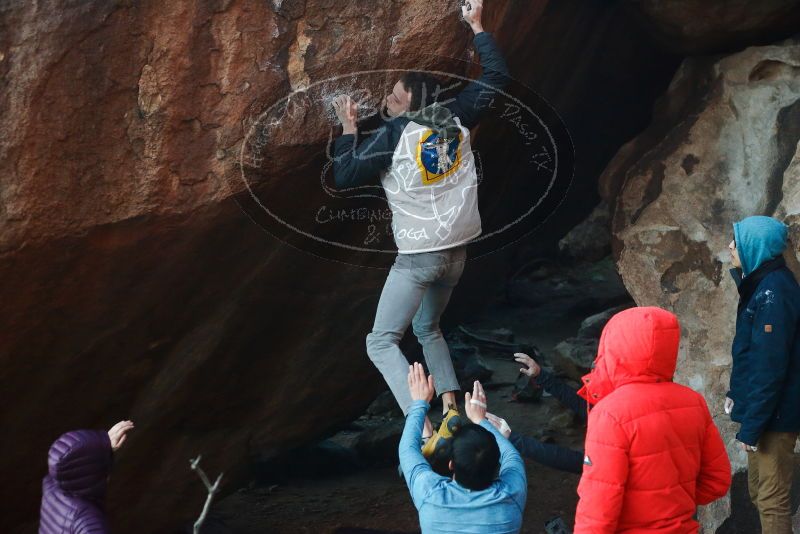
(402, 294)
(426, 326)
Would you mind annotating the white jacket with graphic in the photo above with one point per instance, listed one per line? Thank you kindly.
(430, 183)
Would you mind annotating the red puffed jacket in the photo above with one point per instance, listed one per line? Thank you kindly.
(653, 452)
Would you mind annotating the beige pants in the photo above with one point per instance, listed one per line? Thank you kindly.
(770, 480)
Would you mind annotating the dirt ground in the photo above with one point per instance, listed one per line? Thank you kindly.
(377, 500)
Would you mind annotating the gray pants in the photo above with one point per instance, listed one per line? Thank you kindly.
(416, 292)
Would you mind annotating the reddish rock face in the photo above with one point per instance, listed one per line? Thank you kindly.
(135, 285)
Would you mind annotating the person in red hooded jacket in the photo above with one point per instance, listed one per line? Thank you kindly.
(653, 452)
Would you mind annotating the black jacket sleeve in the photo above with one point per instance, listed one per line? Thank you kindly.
(565, 394)
(476, 97)
(357, 164)
(548, 454)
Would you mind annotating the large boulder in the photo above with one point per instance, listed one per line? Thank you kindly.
(723, 146)
(135, 284)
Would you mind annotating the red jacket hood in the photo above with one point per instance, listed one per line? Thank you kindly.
(637, 345)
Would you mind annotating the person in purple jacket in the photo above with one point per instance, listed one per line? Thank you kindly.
(74, 489)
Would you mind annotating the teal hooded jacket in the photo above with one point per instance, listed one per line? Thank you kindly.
(759, 239)
(765, 378)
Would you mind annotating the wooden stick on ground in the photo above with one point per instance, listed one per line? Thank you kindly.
(212, 490)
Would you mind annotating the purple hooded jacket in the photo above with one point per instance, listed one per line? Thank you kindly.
(74, 490)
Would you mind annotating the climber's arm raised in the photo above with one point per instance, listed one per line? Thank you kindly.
(477, 96)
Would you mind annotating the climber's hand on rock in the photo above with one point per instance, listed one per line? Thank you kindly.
(532, 369)
(346, 112)
(471, 10)
(475, 404)
(421, 388)
(728, 405)
(118, 433)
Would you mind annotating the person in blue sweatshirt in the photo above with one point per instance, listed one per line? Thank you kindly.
(764, 394)
(422, 157)
(488, 489)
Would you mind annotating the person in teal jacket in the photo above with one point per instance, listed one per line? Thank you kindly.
(764, 391)
(488, 489)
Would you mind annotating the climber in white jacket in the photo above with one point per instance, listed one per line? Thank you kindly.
(421, 155)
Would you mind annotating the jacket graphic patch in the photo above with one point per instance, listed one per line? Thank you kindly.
(768, 328)
(438, 157)
(587, 460)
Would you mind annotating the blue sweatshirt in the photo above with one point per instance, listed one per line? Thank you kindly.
(444, 506)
